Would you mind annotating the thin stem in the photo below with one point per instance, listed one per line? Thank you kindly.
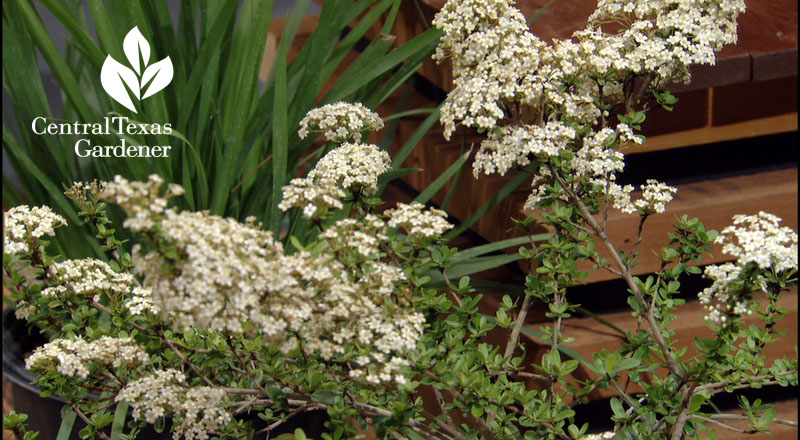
(186, 361)
(449, 427)
(726, 426)
(523, 313)
(743, 417)
(100, 434)
(250, 174)
(747, 383)
(655, 328)
(683, 415)
(452, 290)
(244, 364)
(642, 219)
(292, 413)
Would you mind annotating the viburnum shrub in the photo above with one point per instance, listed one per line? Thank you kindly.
(209, 319)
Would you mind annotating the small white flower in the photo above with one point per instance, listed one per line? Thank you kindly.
(340, 121)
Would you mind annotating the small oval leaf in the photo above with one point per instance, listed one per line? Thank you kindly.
(134, 45)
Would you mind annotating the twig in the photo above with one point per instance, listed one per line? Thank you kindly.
(748, 382)
(626, 274)
(294, 412)
(241, 361)
(523, 313)
(729, 427)
(261, 164)
(683, 415)
(83, 417)
(449, 426)
(743, 417)
(188, 362)
(452, 290)
(642, 219)
(440, 400)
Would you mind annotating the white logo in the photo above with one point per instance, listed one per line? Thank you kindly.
(114, 76)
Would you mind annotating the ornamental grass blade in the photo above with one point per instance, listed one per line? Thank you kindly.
(206, 65)
(85, 44)
(440, 181)
(118, 426)
(504, 192)
(412, 142)
(68, 417)
(280, 141)
(383, 65)
(239, 88)
(541, 11)
(57, 63)
(478, 251)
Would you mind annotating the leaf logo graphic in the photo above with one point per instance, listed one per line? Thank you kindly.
(143, 80)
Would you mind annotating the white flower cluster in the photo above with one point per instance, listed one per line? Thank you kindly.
(75, 357)
(340, 121)
(655, 196)
(514, 145)
(495, 61)
(755, 241)
(418, 221)
(313, 198)
(362, 236)
(665, 36)
(352, 166)
(223, 274)
(24, 310)
(222, 269)
(401, 333)
(503, 75)
(760, 239)
(140, 200)
(200, 410)
(141, 301)
(23, 226)
(87, 277)
(720, 299)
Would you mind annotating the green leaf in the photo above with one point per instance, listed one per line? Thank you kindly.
(767, 417)
(696, 401)
(619, 411)
(408, 432)
(277, 395)
(625, 364)
(326, 397)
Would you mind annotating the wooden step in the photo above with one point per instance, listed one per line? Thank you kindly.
(714, 202)
(591, 336)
